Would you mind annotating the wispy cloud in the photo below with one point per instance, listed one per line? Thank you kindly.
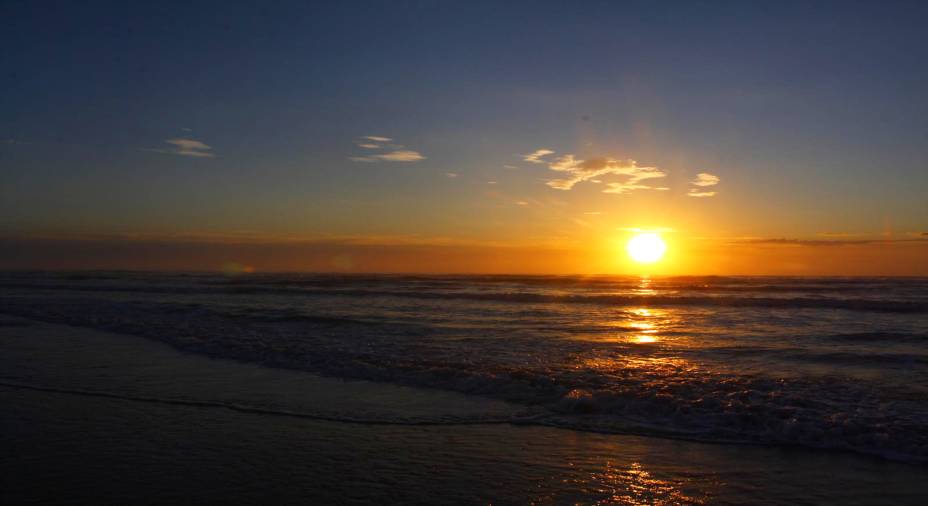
(451, 175)
(377, 138)
(706, 179)
(576, 171)
(186, 147)
(387, 152)
(836, 235)
(400, 155)
(823, 242)
(703, 180)
(537, 155)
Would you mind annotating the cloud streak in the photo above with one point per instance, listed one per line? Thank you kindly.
(537, 155)
(400, 155)
(706, 179)
(377, 138)
(187, 147)
(703, 180)
(384, 151)
(574, 170)
(823, 242)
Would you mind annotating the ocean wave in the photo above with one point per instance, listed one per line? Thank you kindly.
(603, 389)
(901, 337)
(867, 357)
(579, 410)
(617, 300)
(850, 304)
(666, 284)
(583, 411)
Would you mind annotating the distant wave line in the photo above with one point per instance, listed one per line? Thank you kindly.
(893, 306)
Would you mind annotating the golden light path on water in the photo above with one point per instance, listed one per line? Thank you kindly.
(631, 483)
(635, 486)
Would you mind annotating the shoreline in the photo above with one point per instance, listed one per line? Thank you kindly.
(506, 462)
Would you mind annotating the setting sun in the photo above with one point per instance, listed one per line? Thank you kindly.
(646, 248)
(666, 253)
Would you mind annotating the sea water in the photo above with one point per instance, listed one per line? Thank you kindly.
(835, 363)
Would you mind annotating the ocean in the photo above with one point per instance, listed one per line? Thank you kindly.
(815, 364)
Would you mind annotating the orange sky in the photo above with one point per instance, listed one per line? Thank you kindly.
(477, 139)
(685, 256)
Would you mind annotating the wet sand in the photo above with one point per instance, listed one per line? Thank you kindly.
(96, 417)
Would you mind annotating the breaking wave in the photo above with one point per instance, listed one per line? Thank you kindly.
(850, 304)
(825, 363)
(649, 395)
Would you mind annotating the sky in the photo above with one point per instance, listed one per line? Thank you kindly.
(755, 137)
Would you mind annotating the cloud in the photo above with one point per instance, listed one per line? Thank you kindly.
(451, 174)
(187, 147)
(403, 155)
(578, 171)
(836, 235)
(706, 179)
(702, 181)
(388, 152)
(823, 242)
(537, 155)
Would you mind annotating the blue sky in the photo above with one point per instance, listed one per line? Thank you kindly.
(812, 116)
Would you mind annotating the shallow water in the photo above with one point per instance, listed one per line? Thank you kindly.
(103, 418)
(837, 363)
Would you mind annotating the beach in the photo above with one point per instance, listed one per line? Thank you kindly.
(366, 252)
(99, 416)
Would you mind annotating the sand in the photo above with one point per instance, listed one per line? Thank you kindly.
(97, 417)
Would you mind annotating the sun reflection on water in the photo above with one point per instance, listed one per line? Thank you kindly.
(657, 366)
(645, 287)
(636, 486)
(636, 326)
(646, 325)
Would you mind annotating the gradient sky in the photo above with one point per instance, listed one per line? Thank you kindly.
(192, 134)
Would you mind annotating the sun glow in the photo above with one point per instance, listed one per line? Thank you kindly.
(646, 248)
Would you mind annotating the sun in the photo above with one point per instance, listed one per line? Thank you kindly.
(646, 248)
